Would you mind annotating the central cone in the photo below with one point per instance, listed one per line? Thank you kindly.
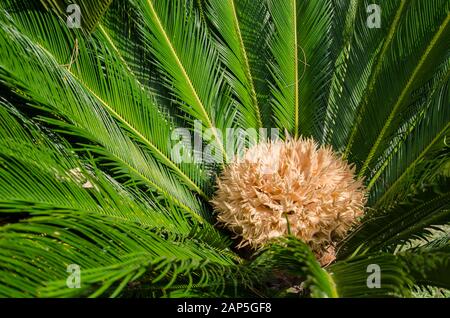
(293, 187)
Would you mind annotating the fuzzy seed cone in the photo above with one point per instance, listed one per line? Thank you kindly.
(296, 181)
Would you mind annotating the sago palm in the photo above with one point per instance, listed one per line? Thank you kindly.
(90, 117)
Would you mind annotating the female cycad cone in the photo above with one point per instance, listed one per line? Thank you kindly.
(292, 187)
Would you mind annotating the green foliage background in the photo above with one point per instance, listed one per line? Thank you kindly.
(104, 100)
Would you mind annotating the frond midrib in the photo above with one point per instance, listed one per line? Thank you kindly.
(145, 140)
(373, 78)
(340, 63)
(381, 169)
(413, 164)
(187, 78)
(248, 72)
(296, 84)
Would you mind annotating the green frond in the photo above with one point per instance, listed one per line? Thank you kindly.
(291, 256)
(343, 31)
(399, 274)
(38, 173)
(353, 278)
(440, 241)
(117, 236)
(403, 222)
(429, 267)
(415, 155)
(301, 67)
(88, 115)
(185, 52)
(226, 17)
(120, 29)
(129, 103)
(414, 62)
(378, 44)
(111, 254)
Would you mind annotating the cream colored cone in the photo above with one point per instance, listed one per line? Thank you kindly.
(295, 180)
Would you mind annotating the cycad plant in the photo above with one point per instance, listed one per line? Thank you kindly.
(94, 202)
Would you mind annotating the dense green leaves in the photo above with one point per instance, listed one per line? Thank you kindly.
(84, 98)
(290, 256)
(397, 274)
(87, 175)
(404, 222)
(301, 64)
(78, 215)
(225, 17)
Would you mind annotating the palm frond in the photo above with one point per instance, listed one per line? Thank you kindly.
(131, 105)
(343, 31)
(302, 66)
(291, 256)
(417, 153)
(226, 17)
(110, 252)
(429, 267)
(402, 223)
(414, 61)
(351, 276)
(39, 172)
(185, 52)
(89, 115)
(115, 235)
